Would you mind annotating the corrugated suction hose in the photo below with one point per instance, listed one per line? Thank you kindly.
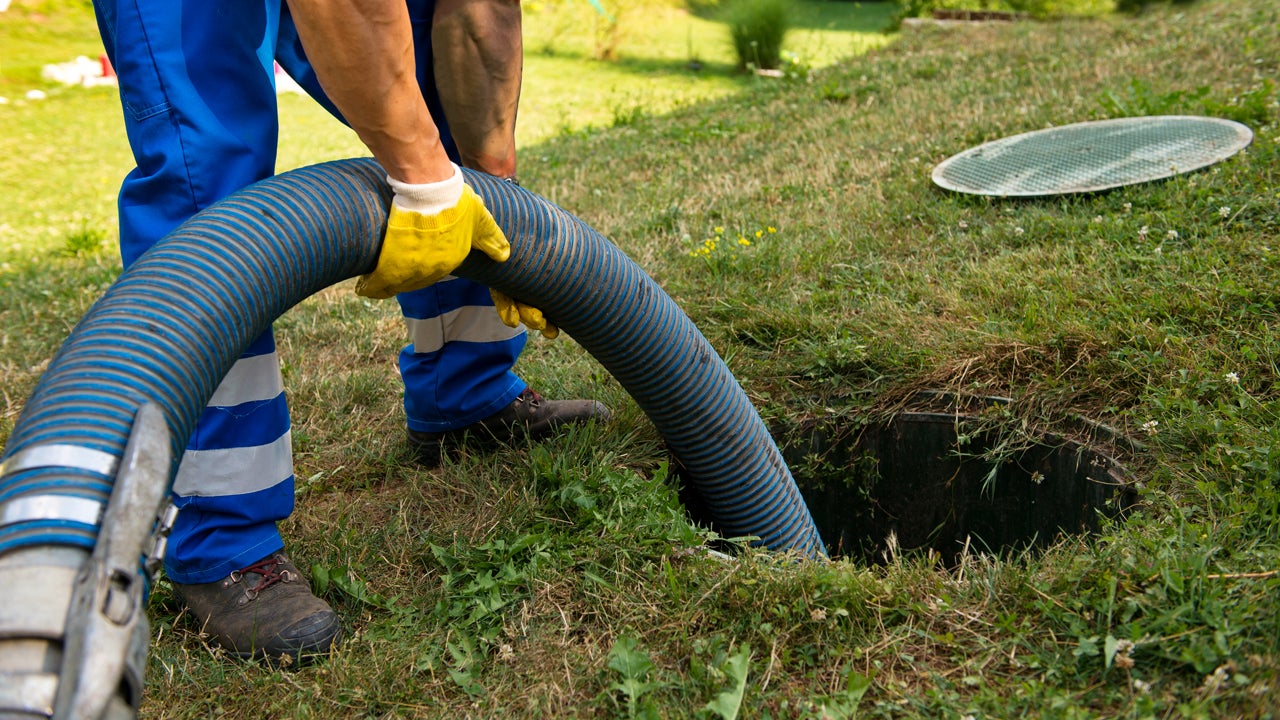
(173, 324)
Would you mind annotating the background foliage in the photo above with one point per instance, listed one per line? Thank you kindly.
(757, 29)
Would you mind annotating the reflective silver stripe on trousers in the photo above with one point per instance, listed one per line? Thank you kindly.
(235, 471)
(250, 380)
(472, 323)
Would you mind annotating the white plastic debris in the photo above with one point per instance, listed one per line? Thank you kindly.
(286, 84)
(87, 72)
(81, 71)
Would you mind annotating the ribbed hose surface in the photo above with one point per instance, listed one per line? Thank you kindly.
(175, 322)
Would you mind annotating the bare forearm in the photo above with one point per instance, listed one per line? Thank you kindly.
(362, 51)
(478, 57)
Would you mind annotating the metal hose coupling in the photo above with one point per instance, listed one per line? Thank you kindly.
(73, 628)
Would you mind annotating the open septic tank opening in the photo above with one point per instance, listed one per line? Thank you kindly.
(952, 480)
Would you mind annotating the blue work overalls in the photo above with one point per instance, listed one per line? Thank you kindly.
(197, 86)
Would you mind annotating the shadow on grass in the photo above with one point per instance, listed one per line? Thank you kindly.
(826, 16)
(648, 66)
(836, 15)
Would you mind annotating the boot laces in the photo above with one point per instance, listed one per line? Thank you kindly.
(269, 573)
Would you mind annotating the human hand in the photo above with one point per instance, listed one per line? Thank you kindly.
(513, 313)
(430, 231)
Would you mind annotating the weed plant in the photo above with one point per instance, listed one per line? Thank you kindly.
(564, 580)
(757, 29)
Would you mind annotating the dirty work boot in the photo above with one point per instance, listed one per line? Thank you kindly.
(529, 416)
(265, 610)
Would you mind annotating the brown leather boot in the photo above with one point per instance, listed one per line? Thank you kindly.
(265, 610)
(529, 416)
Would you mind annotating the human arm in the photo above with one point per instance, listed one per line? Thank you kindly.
(478, 55)
(362, 51)
(364, 59)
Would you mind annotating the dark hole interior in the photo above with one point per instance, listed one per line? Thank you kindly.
(947, 482)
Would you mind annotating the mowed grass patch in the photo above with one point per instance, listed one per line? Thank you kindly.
(73, 141)
(665, 57)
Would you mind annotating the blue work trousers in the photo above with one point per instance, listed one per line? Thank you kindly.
(197, 86)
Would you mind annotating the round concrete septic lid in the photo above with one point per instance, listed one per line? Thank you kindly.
(1092, 156)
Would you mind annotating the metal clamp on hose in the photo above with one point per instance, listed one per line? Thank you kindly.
(160, 540)
(107, 631)
(60, 455)
(53, 506)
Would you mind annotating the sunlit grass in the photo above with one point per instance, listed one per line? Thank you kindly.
(74, 140)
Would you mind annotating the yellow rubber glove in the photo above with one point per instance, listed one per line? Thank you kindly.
(513, 313)
(431, 230)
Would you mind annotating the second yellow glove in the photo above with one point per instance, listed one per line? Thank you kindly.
(513, 313)
(430, 231)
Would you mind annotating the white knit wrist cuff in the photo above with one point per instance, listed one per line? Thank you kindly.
(428, 198)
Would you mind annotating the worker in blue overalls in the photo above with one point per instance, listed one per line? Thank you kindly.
(197, 89)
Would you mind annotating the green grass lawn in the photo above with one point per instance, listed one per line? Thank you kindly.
(564, 580)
